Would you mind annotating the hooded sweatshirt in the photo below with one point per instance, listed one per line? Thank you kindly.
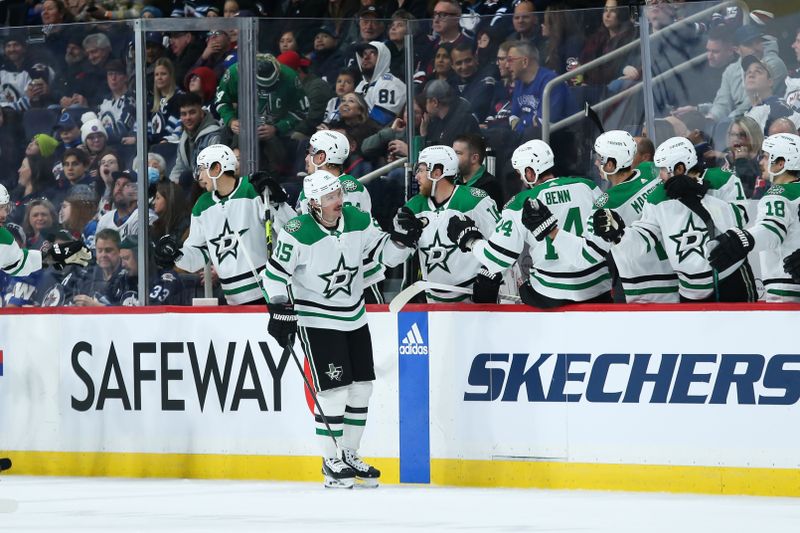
(384, 93)
(208, 133)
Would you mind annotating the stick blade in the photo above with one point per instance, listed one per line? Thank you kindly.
(405, 296)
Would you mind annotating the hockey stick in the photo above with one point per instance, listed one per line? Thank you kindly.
(593, 116)
(289, 345)
(405, 296)
(290, 348)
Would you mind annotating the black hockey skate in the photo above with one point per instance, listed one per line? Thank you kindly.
(366, 475)
(337, 474)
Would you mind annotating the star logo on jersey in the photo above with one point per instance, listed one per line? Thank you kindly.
(339, 279)
(437, 254)
(689, 240)
(334, 373)
(226, 243)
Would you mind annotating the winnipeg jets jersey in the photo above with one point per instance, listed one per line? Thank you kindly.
(16, 261)
(777, 234)
(552, 274)
(384, 93)
(212, 238)
(322, 270)
(385, 97)
(440, 259)
(683, 236)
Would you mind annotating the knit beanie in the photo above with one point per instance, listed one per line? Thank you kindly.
(92, 126)
(47, 145)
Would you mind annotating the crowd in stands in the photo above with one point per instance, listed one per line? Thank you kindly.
(68, 114)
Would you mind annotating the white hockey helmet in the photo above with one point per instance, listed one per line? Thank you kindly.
(319, 183)
(617, 145)
(5, 200)
(215, 153)
(783, 145)
(536, 155)
(333, 143)
(673, 151)
(439, 155)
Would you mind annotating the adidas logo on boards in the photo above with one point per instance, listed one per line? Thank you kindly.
(413, 343)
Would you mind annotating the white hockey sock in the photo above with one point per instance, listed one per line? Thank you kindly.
(332, 403)
(355, 413)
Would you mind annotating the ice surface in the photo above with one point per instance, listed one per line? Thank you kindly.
(112, 504)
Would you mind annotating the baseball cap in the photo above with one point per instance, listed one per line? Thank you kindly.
(372, 11)
(293, 60)
(115, 65)
(325, 28)
(749, 60)
(129, 174)
(154, 37)
(68, 121)
(746, 34)
(438, 89)
(360, 47)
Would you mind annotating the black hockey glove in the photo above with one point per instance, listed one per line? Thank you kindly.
(406, 227)
(167, 251)
(463, 231)
(486, 287)
(67, 253)
(282, 323)
(791, 265)
(262, 181)
(728, 248)
(536, 216)
(608, 225)
(683, 187)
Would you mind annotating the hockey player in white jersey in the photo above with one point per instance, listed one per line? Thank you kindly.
(16, 261)
(315, 281)
(230, 206)
(681, 217)
(421, 224)
(384, 93)
(776, 230)
(650, 278)
(328, 150)
(548, 208)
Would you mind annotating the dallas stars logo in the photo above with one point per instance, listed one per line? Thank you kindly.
(334, 373)
(226, 243)
(437, 254)
(339, 279)
(689, 240)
